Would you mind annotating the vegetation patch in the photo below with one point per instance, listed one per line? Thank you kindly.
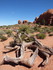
(25, 28)
(8, 32)
(2, 32)
(40, 36)
(3, 38)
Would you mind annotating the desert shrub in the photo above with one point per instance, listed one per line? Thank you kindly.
(2, 32)
(3, 38)
(17, 39)
(37, 28)
(9, 32)
(30, 39)
(25, 28)
(27, 39)
(40, 36)
(51, 29)
(46, 29)
(23, 36)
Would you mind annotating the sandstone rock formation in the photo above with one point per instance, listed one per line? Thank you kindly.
(45, 18)
(35, 20)
(25, 21)
(22, 22)
(19, 22)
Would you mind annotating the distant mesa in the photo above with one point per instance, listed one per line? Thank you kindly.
(19, 22)
(22, 22)
(25, 21)
(46, 18)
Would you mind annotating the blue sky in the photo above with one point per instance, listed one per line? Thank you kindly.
(13, 10)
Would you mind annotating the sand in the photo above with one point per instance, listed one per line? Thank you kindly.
(48, 41)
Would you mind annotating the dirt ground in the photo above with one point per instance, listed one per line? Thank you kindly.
(48, 41)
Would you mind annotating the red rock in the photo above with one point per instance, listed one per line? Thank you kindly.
(46, 18)
(19, 22)
(25, 21)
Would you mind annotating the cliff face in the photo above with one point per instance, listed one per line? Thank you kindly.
(46, 18)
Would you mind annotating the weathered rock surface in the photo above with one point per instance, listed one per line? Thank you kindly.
(19, 22)
(25, 21)
(45, 18)
(22, 22)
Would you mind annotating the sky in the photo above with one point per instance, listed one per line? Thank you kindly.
(13, 10)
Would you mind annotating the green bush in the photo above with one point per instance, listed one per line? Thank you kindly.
(43, 30)
(23, 36)
(37, 28)
(51, 29)
(2, 32)
(46, 29)
(40, 36)
(30, 39)
(27, 39)
(25, 28)
(3, 38)
(9, 32)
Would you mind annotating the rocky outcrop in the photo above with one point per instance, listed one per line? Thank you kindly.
(19, 22)
(25, 21)
(46, 18)
(22, 22)
(35, 20)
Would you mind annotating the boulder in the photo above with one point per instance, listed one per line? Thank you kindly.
(19, 22)
(25, 21)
